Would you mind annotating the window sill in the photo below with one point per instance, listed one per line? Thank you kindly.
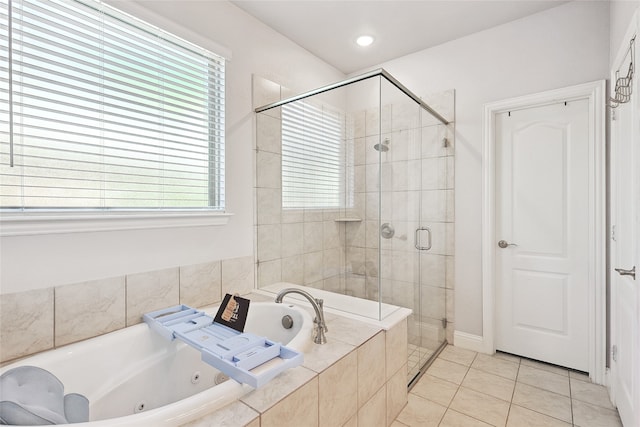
(58, 222)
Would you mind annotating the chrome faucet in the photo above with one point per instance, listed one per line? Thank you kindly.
(320, 327)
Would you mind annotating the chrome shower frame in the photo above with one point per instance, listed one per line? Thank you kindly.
(379, 72)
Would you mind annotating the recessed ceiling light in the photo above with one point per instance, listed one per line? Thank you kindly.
(364, 40)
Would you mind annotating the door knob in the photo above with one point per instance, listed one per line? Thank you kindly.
(623, 272)
(503, 244)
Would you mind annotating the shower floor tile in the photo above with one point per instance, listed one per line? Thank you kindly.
(480, 390)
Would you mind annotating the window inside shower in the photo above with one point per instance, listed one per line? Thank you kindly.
(313, 156)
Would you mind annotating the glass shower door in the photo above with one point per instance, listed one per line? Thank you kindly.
(411, 272)
(431, 240)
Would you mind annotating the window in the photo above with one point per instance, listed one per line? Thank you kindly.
(312, 157)
(101, 111)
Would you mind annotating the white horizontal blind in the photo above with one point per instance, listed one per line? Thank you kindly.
(107, 112)
(312, 156)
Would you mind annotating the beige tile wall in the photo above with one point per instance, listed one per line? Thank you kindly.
(299, 246)
(26, 323)
(39, 320)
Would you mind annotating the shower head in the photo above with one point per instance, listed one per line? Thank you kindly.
(383, 147)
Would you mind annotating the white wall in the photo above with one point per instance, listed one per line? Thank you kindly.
(621, 13)
(33, 262)
(559, 47)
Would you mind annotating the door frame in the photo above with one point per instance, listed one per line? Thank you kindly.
(595, 93)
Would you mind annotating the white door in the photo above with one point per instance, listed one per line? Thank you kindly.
(542, 205)
(625, 255)
(624, 247)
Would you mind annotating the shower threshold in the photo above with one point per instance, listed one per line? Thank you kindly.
(413, 379)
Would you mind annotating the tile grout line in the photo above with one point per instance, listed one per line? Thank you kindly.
(573, 421)
(513, 393)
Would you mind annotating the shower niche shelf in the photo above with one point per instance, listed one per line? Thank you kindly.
(348, 219)
(247, 358)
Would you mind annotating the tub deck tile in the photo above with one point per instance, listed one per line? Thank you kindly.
(350, 331)
(281, 386)
(235, 414)
(320, 356)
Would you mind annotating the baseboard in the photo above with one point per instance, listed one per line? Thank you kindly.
(468, 341)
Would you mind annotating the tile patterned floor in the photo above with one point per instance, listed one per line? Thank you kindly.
(467, 389)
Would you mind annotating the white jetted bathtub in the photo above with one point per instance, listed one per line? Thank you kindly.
(134, 377)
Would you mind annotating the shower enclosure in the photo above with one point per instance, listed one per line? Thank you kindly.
(354, 195)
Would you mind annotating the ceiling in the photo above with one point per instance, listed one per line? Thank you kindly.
(328, 28)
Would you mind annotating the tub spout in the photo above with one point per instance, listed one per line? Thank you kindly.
(320, 326)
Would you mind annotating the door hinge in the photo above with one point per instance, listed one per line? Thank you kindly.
(614, 353)
(445, 322)
(613, 233)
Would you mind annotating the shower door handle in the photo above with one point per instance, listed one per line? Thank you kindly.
(416, 239)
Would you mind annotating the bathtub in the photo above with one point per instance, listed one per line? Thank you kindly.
(377, 314)
(134, 377)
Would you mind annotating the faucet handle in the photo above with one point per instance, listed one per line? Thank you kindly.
(320, 303)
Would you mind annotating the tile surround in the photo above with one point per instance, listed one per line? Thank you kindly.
(237, 275)
(270, 271)
(373, 412)
(338, 385)
(72, 319)
(38, 320)
(304, 233)
(318, 359)
(151, 291)
(270, 202)
(26, 320)
(201, 284)
(268, 133)
(233, 415)
(300, 409)
(396, 393)
(279, 388)
(396, 348)
(323, 392)
(371, 367)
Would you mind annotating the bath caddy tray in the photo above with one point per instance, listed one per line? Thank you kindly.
(247, 358)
